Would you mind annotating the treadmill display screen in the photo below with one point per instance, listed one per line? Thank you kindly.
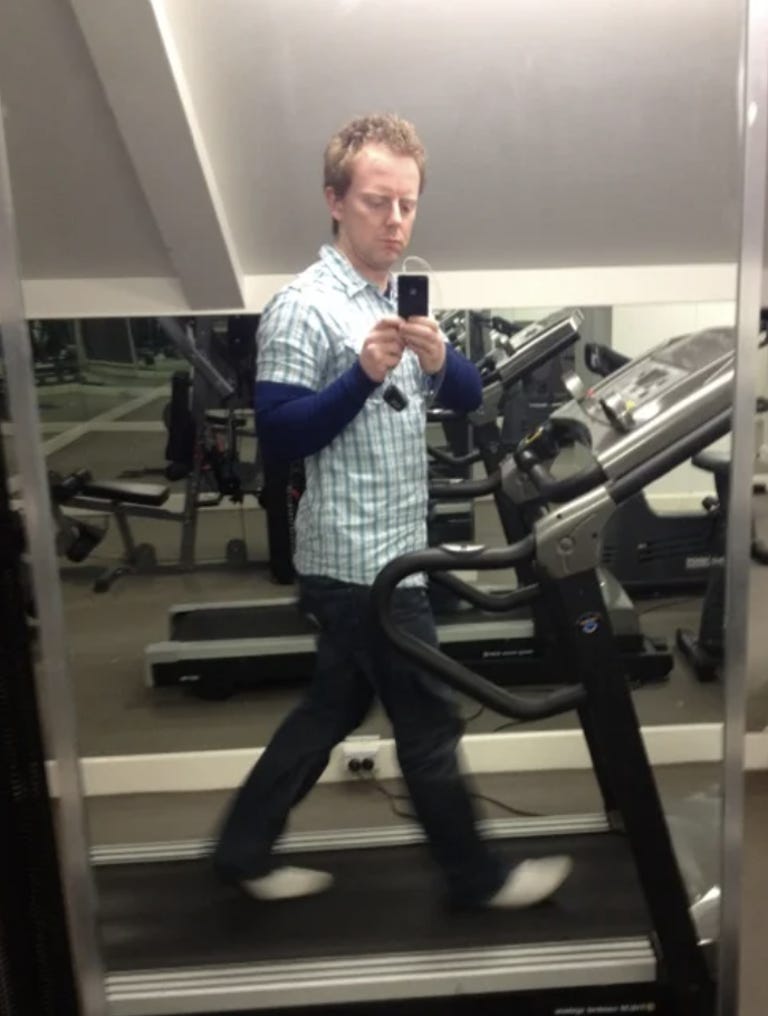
(652, 376)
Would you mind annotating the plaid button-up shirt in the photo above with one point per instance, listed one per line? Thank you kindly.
(366, 492)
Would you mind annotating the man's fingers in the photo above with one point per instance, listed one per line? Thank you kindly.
(386, 323)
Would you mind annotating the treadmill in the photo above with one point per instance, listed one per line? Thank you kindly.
(618, 937)
(217, 648)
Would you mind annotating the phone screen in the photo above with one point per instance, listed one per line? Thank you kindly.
(412, 295)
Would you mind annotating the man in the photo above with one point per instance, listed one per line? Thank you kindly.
(329, 345)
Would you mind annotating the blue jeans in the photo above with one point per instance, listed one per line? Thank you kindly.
(354, 663)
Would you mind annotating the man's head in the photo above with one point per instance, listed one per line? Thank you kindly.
(374, 174)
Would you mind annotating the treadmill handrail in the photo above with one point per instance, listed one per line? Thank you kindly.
(500, 603)
(453, 673)
(558, 491)
(673, 455)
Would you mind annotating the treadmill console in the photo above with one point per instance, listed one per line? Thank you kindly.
(635, 394)
(515, 357)
(553, 323)
(633, 397)
(533, 345)
(645, 406)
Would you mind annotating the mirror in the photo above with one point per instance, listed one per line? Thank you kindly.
(591, 164)
(237, 545)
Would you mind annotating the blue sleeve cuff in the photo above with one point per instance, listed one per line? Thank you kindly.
(458, 385)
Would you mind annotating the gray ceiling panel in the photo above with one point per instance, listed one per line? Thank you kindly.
(579, 133)
(80, 210)
(592, 132)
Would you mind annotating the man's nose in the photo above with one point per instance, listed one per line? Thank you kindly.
(395, 212)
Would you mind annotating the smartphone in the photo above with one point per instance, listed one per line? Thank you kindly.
(412, 295)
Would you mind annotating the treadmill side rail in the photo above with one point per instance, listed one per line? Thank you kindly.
(546, 966)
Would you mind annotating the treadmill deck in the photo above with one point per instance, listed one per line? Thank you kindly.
(171, 929)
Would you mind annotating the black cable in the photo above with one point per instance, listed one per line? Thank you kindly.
(507, 807)
(392, 798)
(506, 726)
(473, 716)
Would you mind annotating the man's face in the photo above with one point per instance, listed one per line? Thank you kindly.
(377, 213)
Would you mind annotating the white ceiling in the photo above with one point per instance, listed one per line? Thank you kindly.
(604, 137)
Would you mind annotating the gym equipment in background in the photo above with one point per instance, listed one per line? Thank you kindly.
(205, 427)
(216, 648)
(177, 940)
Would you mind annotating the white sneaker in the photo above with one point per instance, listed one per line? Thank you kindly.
(288, 883)
(532, 882)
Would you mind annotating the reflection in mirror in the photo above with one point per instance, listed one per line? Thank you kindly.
(200, 522)
(665, 692)
(189, 655)
(174, 522)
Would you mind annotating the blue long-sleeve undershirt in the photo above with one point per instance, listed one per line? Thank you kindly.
(294, 422)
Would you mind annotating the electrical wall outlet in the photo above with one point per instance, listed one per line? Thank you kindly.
(360, 753)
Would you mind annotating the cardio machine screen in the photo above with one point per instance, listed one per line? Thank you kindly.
(650, 377)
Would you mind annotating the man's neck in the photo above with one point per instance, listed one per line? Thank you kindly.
(381, 279)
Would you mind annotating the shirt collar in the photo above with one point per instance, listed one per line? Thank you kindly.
(352, 281)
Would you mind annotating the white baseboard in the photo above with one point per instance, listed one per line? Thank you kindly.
(180, 772)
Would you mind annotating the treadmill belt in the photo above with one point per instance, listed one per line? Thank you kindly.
(177, 914)
(275, 621)
(240, 623)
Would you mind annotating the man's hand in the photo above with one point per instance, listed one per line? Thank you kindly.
(422, 335)
(382, 349)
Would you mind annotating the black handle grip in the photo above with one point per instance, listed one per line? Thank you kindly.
(552, 489)
(453, 673)
(460, 490)
(603, 360)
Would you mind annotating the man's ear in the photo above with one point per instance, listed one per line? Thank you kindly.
(334, 203)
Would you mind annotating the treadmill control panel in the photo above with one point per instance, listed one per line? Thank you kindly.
(523, 352)
(556, 320)
(619, 411)
(632, 399)
(645, 414)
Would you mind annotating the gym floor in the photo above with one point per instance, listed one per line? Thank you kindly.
(120, 433)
